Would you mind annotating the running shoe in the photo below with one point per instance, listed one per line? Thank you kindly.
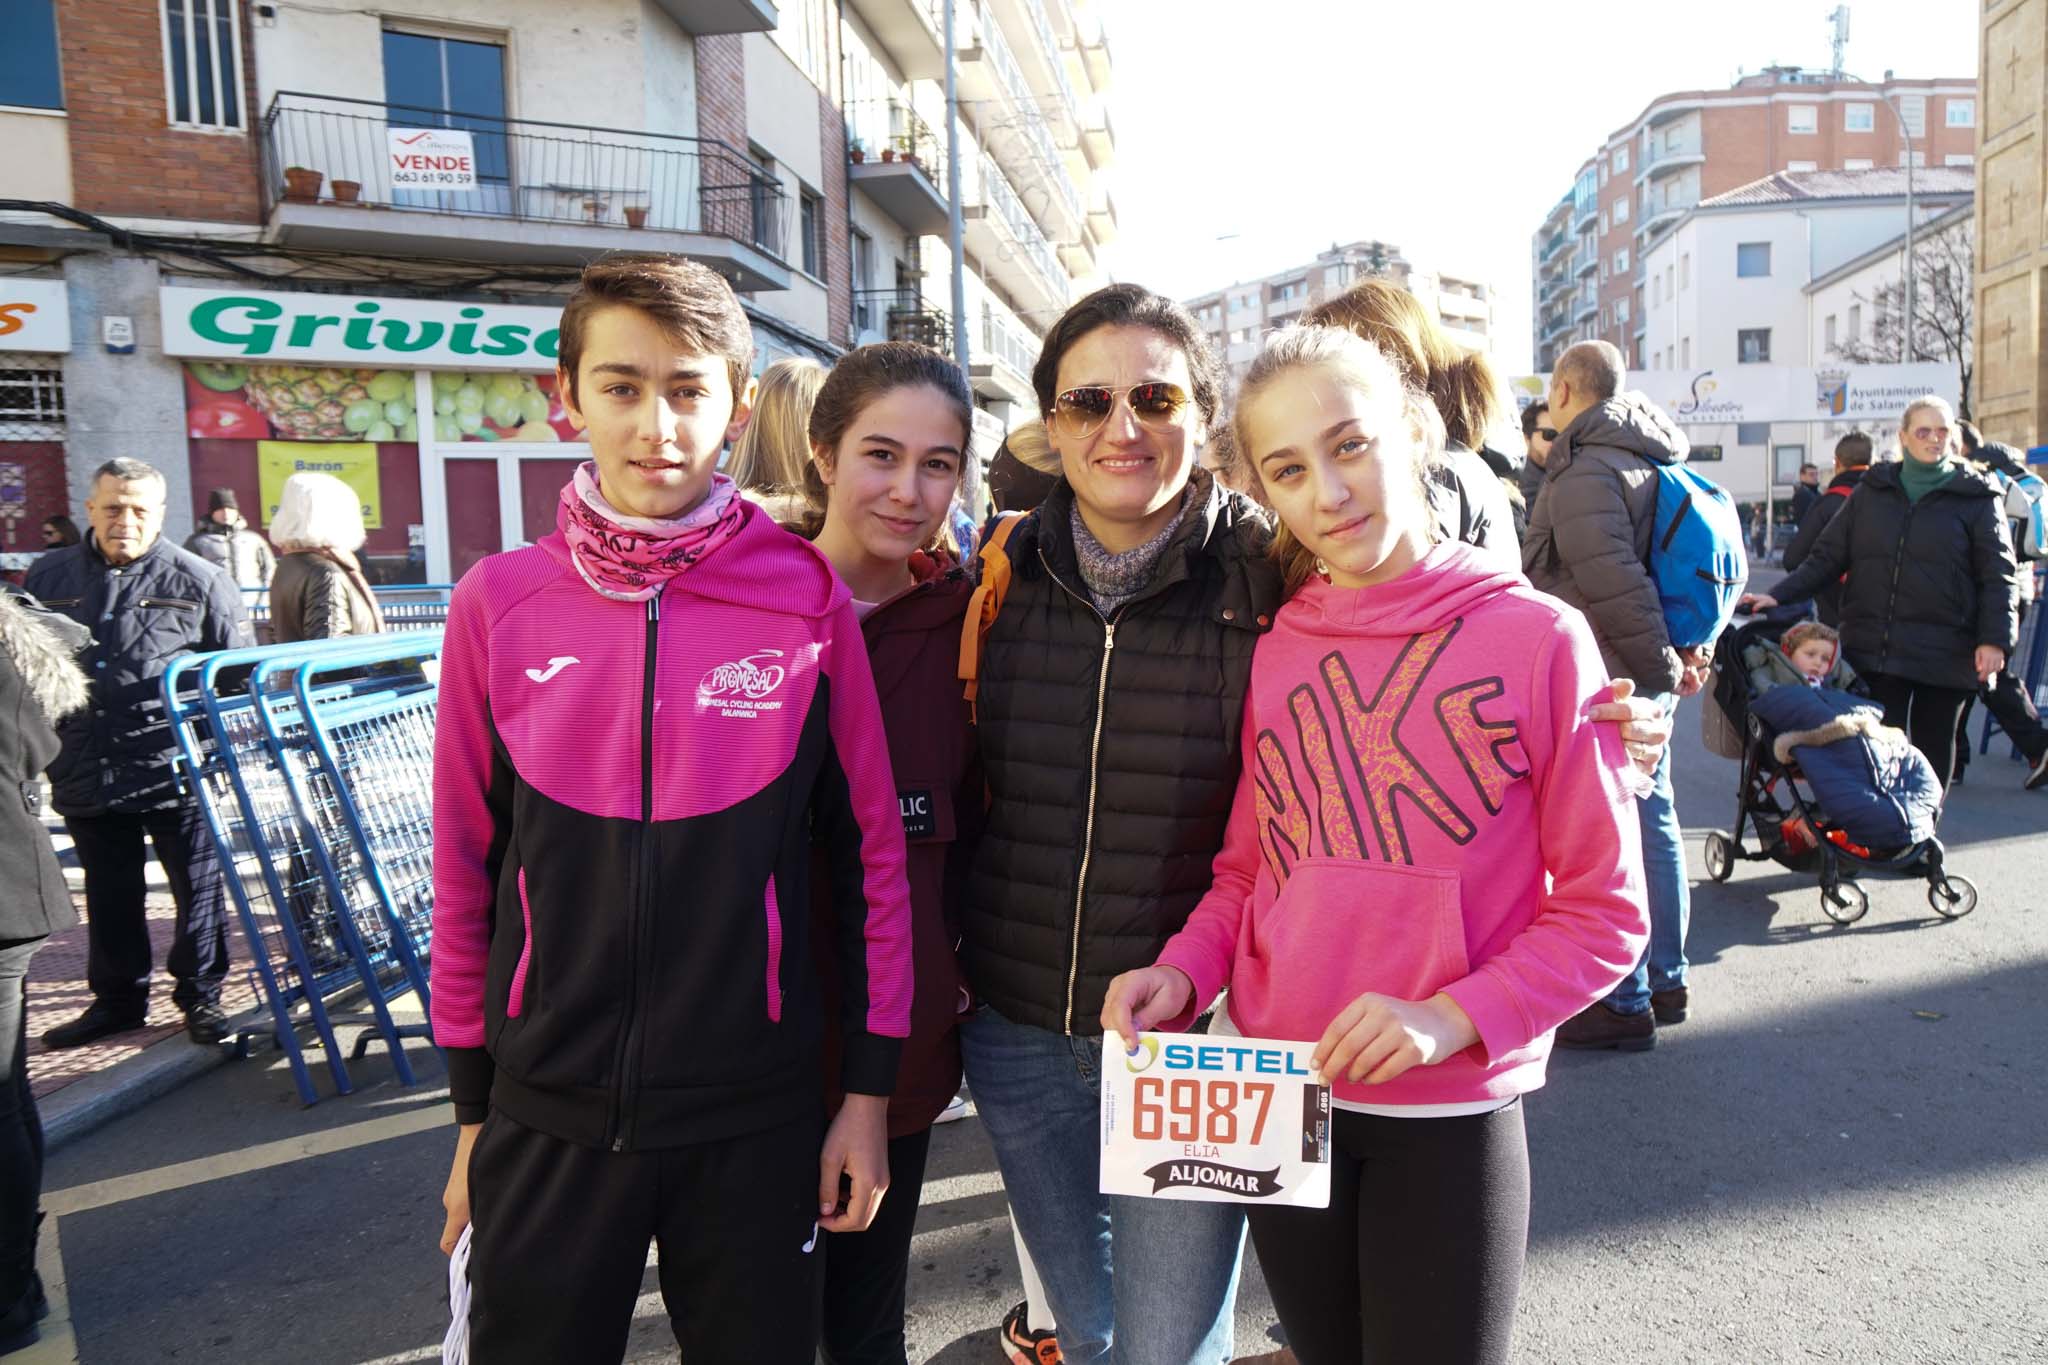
(956, 1110)
(1024, 1346)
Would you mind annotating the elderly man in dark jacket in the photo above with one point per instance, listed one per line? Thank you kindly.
(146, 602)
(1589, 543)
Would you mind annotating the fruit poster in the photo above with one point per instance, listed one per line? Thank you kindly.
(229, 400)
(355, 464)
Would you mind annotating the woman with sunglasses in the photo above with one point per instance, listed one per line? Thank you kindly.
(1110, 703)
(1934, 610)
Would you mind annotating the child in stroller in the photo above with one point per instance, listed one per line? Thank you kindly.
(1826, 786)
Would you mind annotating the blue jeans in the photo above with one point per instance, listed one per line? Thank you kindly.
(1038, 1094)
(1663, 965)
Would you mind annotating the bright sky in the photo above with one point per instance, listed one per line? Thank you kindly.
(1252, 134)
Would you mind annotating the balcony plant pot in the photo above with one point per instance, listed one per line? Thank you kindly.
(857, 153)
(888, 153)
(636, 215)
(346, 191)
(302, 186)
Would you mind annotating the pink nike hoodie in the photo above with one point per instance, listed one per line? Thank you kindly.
(1424, 807)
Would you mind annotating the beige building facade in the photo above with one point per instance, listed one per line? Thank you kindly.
(2012, 252)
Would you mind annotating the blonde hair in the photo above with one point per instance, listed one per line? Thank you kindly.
(772, 452)
(1032, 447)
(317, 512)
(1927, 400)
(1467, 391)
(1359, 364)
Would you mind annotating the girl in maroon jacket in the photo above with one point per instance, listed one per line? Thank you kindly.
(889, 435)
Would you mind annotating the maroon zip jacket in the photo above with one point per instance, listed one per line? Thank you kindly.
(914, 652)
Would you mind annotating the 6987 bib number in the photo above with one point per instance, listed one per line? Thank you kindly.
(1224, 1120)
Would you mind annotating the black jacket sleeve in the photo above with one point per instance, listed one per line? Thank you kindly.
(227, 619)
(1826, 560)
(1997, 574)
(1810, 526)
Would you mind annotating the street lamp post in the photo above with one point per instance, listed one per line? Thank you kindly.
(1906, 348)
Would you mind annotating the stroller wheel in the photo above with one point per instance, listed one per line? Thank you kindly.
(1844, 902)
(1720, 855)
(1953, 896)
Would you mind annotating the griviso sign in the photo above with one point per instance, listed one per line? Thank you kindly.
(355, 331)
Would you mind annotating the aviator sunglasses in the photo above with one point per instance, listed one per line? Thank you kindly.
(1081, 412)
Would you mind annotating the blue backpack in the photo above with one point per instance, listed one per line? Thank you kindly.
(1696, 556)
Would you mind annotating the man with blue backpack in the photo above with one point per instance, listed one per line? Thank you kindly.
(1652, 554)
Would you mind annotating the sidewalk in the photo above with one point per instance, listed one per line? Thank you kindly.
(57, 989)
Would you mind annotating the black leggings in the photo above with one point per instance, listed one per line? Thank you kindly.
(1928, 714)
(867, 1273)
(21, 1132)
(1419, 1256)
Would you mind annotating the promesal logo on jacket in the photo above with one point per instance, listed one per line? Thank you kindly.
(740, 689)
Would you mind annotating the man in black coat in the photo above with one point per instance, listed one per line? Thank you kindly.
(1852, 462)
(146, 602)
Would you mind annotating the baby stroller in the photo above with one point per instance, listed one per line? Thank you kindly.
(1877, 784)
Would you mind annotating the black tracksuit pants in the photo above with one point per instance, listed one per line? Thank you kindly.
(117, 931)
(559, 1248)
(867, 1274)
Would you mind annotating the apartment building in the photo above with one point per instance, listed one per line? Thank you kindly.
(1692, 145)
(2012, 250)
(266, 235)
(1238, 318)
(1785, 273)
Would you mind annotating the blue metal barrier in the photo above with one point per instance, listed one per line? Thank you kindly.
(293, 753)
(406, 606)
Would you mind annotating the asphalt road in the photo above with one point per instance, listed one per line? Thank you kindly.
(1843, 1156)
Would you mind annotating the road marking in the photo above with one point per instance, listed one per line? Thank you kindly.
(183, 1174)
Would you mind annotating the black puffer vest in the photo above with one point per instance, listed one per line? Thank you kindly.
(1111, 749)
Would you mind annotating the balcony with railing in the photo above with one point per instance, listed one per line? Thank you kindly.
(911, 32)
(1669, 155)
(1585, 263)
(1041, 55)
(899, 161)
(1008, 245)
(1015, 128)
(1004, 350)
(901, 315)
(1558, 241)
(540, 192)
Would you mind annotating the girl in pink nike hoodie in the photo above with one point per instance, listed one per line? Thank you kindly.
(1432, 863)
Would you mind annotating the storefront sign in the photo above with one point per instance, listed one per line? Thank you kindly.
(35, 315)
(357, 332)
(430, 158)
(354, 464)
(1866, 394)
(1215, 1119)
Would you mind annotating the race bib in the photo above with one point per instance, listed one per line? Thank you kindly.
(1228, 1120)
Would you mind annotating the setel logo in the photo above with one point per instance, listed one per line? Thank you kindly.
(740, 690)
(553, 666)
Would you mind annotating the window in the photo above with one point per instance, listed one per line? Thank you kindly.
(203, 63)
(1828, 329)
(1670, 282)
(1859, 118)
(1685, 353)
(1621, 211)
(864, 281)
(1603, 172)
(1962, 113)
(1912, 158)
(424, 72)
(1753, 346)
(1685, 270)
(1752, 260)
(1620, 160)
(1657, 288)
(764, 201)
(1855, 322)
(28, 59)
(1959, 159)
(1802, 118)
(1913, 112)
(1703, 455)
(32, 396)
(1603, 222)
(1621, 310)
(811, 218)
(1858, 163)
(1752, 433)
(1621, 260)
(1796, 166)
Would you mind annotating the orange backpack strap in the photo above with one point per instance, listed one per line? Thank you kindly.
(986, 601)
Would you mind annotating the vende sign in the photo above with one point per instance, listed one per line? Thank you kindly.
(35, 315)
(430, 158)
(354, 331)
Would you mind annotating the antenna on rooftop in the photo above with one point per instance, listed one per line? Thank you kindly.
(1840, 19)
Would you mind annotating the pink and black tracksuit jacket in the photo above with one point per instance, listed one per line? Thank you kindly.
(626, 795)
